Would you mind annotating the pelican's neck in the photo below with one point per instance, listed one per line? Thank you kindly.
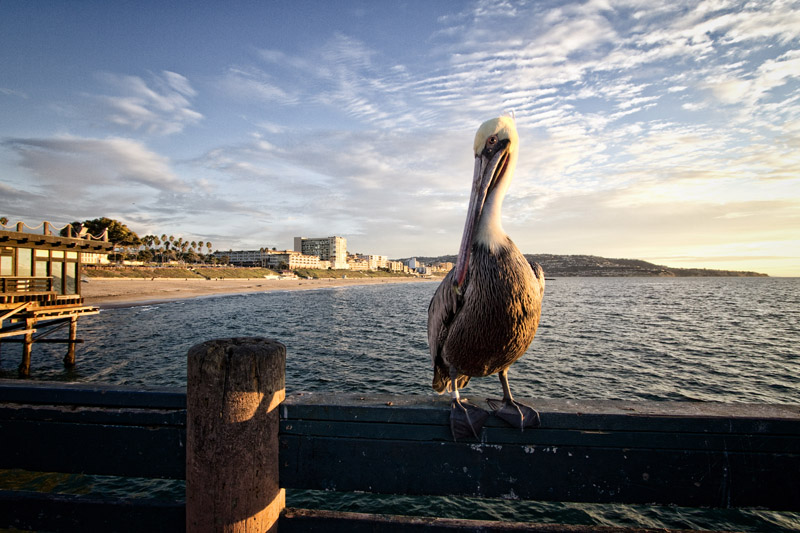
(489, 231)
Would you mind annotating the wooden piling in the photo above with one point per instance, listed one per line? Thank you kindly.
(69, 359)
(27, 346)
(234, 387)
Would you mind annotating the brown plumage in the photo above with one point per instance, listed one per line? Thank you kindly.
(492, 323)
(485, 313)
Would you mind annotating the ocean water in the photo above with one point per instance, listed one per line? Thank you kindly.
(696, 339)
(691, 339)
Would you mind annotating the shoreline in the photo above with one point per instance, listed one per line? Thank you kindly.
(115, 292)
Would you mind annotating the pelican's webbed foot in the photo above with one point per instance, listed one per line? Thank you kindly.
(515, 413)
(466, 420)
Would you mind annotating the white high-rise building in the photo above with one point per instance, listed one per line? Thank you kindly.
(333, 249)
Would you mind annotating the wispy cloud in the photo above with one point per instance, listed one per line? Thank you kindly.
(161, 106)
(11, 92)
(70, 165)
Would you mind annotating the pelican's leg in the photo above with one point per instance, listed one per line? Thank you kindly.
(515, 413)
(466, 420)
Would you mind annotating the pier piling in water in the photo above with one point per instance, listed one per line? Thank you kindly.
(234, 388)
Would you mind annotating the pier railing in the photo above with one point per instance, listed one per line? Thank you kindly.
(239, 443)
(10, 284)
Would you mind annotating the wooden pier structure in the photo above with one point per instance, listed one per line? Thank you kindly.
(240, 442)
(40, 288)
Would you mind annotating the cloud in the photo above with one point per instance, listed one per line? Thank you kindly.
(71, 166)
(613, 101)
(254, 84)
(75, 178)
(632, 116)
(363, 184)
(11, 92)
(161, 107)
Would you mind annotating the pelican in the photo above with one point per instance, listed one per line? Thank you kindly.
(485, 312)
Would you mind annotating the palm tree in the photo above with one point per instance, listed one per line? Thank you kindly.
(147, 242)
(157, 242)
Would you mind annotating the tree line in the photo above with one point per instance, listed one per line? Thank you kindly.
(162, 248)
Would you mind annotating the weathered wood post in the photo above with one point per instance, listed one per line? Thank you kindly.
(27, 346)
(69, 359)
(234, 387)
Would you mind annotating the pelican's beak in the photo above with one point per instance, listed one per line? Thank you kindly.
(489, 168)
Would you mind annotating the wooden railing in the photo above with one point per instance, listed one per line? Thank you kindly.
(25, 284)
(687, 454)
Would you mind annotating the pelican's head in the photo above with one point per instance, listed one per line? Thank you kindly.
(495, 150)
(500, 129)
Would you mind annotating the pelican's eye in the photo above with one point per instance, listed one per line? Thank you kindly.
(492, 144)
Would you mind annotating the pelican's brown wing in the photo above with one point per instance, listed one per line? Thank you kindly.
(443, 308)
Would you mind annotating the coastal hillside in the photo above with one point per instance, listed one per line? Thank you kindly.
(592, 265)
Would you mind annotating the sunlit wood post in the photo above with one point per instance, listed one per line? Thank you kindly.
(69, 359)
(27, 346)
(234, 387)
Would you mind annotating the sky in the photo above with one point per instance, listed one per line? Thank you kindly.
(664, 131)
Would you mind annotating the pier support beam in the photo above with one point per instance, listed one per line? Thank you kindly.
(69, 359)
(234, 388)
(27, 347)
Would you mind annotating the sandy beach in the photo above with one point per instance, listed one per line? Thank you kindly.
(113, 292)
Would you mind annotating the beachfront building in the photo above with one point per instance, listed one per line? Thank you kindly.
(374, 262)
(94, 258)
(245, 258)
(291, 260)
(40, 285)
(274, 259)
(396, 266)
(442, 266)
(357, 264)
(333, 249)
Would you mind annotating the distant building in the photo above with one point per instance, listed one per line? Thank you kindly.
(94, 258)
(273, 259)
(358, 264)
(375, 262)
(396, 266)
(442, 266)
(333, 249)
(291, 260)
(245, 258)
